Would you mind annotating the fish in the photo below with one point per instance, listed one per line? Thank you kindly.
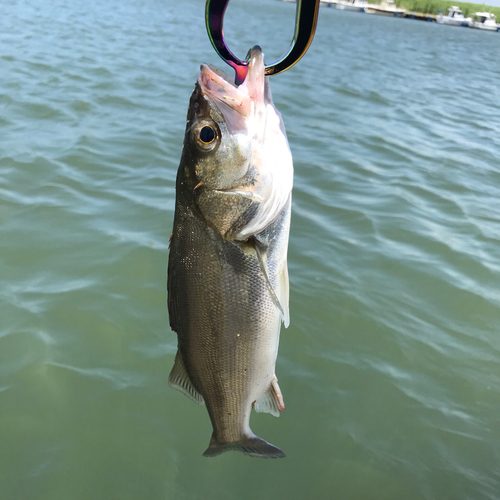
(228, 286)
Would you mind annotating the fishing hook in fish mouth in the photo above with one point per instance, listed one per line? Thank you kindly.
(306, 18)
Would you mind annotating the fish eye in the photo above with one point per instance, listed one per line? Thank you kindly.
(207, 135)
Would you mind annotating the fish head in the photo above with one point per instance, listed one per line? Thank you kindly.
(236, 151)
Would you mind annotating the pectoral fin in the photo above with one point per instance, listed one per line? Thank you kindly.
(280, 296)
(263, 266)
(271, 401)
(283, 293)
(179, 379)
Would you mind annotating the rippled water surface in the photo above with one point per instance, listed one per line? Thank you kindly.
(391, 366)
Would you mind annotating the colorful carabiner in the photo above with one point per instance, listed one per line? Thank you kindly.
(305, 25)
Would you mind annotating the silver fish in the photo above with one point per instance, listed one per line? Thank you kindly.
(227, 272)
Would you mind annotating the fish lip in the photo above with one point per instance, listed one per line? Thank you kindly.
(209, 74)
(217, 85)
(217, 75)
(233, 190)
(240, 191)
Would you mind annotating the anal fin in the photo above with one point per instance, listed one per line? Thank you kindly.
(179, 379)
(271, 401)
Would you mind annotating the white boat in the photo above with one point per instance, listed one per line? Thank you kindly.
(455, 17)
(352, 5)
(483, 21)
(385, 8)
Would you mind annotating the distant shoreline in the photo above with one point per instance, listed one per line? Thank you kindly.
(433, 7)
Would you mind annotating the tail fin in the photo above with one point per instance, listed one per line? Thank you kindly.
(252, 446)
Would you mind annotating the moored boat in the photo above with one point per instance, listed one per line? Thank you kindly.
(483, 21)
(352, 5)
(455, 17)
(385, 8)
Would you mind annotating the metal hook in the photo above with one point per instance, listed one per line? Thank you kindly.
(305, 25)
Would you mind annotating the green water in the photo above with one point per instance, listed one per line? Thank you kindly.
(390, 368)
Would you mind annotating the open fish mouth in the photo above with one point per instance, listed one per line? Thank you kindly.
(217, 85)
